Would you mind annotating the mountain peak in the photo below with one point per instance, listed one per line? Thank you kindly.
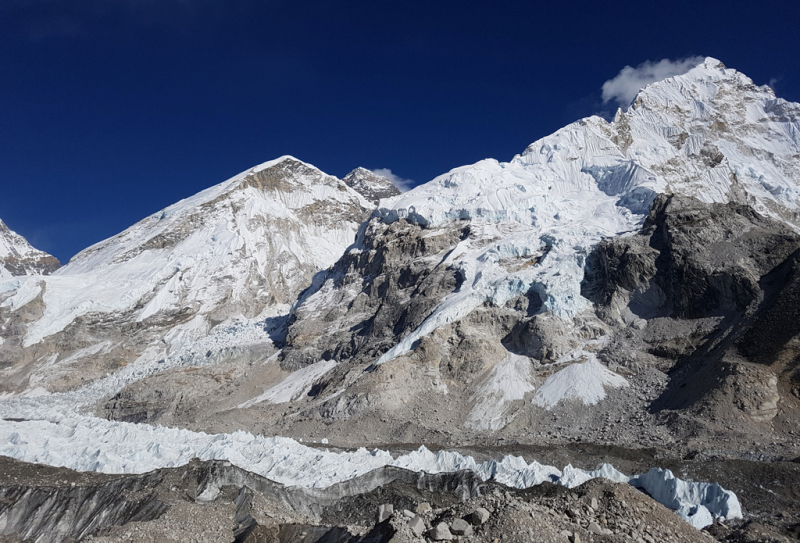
(701, 83)
(370, 185)
(18, 257)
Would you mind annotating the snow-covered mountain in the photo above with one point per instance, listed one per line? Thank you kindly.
(478, 267)
(633, 282)
(242, 249)
(453, 281)
(18, 257)
(710, 134)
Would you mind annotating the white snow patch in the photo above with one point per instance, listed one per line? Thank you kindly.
(294, 385)
(584, 381)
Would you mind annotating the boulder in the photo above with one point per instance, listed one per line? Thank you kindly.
(424, 508)
(461, 527)
(479, 516)
(417, 526)
(440, 532)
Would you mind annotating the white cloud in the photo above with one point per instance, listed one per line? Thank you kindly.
(629, 81)
(399, 182)
(772, 82)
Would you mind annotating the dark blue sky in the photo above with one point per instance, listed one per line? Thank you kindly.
(113, 109)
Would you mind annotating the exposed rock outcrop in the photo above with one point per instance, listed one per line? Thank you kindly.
(711, 289)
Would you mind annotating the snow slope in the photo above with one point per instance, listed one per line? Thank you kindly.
(584, 381)
(508, 381)
(710, 133)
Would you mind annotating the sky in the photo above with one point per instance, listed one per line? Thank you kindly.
(111, 110)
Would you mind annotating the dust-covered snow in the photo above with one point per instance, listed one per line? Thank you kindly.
(294, 385)
(583, 381)
(508, 381)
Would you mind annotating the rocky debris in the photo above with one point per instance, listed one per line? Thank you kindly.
(215, 501)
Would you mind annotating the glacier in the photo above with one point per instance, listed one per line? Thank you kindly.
(93, 444)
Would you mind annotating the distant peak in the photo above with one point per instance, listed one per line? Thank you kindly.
(18, 257)
(279, 160)
(360, 171)
(370, 185)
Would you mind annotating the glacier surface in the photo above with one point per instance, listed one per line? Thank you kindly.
(93, 444)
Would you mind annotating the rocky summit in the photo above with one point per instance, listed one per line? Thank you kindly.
(289, 356)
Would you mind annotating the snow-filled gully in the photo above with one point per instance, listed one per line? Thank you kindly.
(92, 444)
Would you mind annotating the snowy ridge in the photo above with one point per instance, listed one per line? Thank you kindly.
(710, 133)
(91, 444)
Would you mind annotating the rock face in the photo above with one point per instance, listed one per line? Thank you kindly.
(385, 285)
(691, 260)
(18, 257)
(718, 268)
